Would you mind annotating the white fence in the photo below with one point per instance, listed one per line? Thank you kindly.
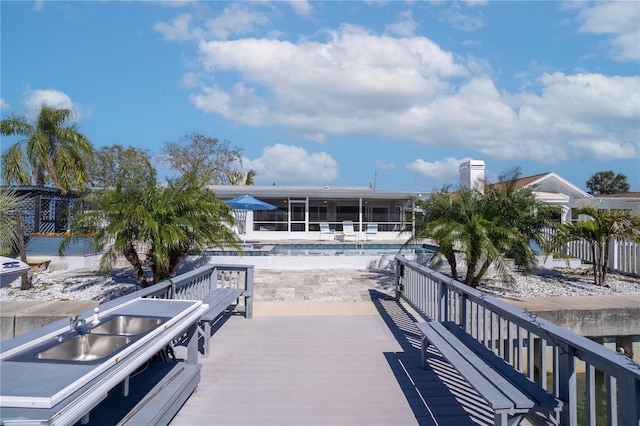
(624, 256)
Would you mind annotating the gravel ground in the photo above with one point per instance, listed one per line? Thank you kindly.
(88, 284)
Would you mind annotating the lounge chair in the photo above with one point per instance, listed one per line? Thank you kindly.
(347, 231)
(371, 231)
(325, 231)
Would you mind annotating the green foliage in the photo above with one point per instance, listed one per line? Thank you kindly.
(144, 221)
(606, 182)
(9, 204)
(51, 153)
(598, 230)
(484, 228)
(114, 164)
(214, 160)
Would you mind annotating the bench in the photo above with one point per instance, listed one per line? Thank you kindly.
(510, 394)
(218, 301)
(166, 398)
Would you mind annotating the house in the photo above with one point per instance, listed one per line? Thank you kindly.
(301, 209)
(553, 189)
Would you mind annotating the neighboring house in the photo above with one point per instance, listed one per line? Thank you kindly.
(624, 201)
(45, 210)
(301, 210)
(552, 188)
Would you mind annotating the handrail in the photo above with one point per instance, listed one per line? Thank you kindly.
(240, 276)
(511, 333)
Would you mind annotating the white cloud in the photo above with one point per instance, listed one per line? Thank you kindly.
(179, 29)
(355, 82)
(404, 25)
(292, 165)
(385, 165)
(606, 150)
(616, 19)
(460, 19)
(341, 86)
(34, 99)
(301, 7)
(445, 170)
(233, 20)
(4, 105)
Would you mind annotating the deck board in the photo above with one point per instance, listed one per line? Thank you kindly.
(328, 370)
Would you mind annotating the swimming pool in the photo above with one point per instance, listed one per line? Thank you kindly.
(354, 249)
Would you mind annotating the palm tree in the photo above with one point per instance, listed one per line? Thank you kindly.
(50, 153)
(606, 182)
(143, 221)
(237, 177)
(9, 204)
(12, 234)
(598, 230)
(434, 220)
(484, 228)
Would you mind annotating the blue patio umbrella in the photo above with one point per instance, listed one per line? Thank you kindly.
(245, 203)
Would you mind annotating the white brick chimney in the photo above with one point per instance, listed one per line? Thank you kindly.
(472, 174)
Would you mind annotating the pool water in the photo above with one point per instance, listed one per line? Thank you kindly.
(328, 249)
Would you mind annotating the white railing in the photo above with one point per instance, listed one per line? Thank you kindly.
(544, 352)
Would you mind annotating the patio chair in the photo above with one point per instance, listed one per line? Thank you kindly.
(371, 231)
(325, 231)
(347, 230)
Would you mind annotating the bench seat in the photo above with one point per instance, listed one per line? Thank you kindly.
(166, 398)
(510, 394)
(218, 301)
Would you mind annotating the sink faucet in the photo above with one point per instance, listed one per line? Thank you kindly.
(76, 324)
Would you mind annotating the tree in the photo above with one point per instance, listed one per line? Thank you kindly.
(146, 222)
(112, 164)
(484, 228)
(12, 233)
(51, 153)
(599, 230)
(606, 182)
(9, 205)
(206, 157)
(237, 177)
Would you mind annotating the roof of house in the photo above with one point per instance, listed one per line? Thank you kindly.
(621, 195)
(230, 191)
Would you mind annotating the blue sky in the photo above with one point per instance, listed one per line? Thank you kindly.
(337, 93)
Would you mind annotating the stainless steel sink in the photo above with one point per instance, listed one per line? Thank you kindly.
(84, 348)
(126, 325)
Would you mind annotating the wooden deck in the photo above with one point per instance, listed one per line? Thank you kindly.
(328, 370)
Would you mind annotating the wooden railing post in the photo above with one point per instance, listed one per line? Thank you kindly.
(399, 280)
(443, 302)
(567, 385)
(248, 293)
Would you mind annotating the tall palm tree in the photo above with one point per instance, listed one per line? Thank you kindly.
(51, 152)
(143, 221)
(601, 227)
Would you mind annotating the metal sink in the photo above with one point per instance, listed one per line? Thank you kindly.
(127, 325)
(75, 349)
